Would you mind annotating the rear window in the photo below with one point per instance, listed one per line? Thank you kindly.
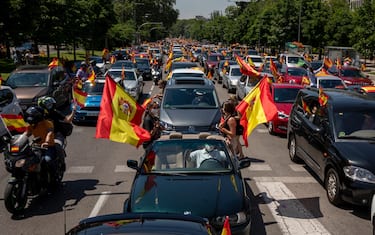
(96, 88)
(190, 98)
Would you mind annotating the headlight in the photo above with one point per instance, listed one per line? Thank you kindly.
(282, 115)
(167, 126)
(359, 174)
(236, 219)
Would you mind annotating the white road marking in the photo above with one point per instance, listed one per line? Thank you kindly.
(297, 168)
(79, 169)
(291, 216)
(261, 130)
(123, 168)
(292, 180)
(259, 167)
(99, 204)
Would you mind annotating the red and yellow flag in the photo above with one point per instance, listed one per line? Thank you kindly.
(54, 63)
(322, 72)
(273, 69)
(79, 96)
(146, 102)
(338, 63)
(91, 77)
(123, 74)
(305, 80)
(226, 228)
(256, 108)
(245, 68)
(15, 122)
(327, 62)
(120, 116)
(323, 97)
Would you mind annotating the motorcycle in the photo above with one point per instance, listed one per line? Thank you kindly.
(30, 173)
(156, 74)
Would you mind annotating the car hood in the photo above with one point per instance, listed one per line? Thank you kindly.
(284, 107)
(358, 153)
(28, 93)
(186, 117)
(93, 101)
(130, 84)
(204, 195)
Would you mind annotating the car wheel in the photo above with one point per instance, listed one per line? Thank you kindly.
(270, 128)
(293, 149)
(332, 185)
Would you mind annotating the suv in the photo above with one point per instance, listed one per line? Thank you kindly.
(190, 105)
(33, 81)
(336, 142)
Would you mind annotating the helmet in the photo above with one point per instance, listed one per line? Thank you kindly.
(46, 102)
(83, 64)
(34, 114)
(93, 62)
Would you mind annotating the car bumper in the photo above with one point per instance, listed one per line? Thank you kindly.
(280, 126)
(358, 193)
(86, 116)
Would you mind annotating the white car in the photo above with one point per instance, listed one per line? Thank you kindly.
(132, 83)
(195, 72)
(231, 77)
(256, 59)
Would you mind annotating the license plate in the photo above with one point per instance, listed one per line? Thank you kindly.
(92, 114)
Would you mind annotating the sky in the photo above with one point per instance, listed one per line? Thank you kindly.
(191, 8)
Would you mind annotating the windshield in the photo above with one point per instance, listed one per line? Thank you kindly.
(127, 65)
(285, 95)
(297, 72)
(189, 156)
(184, 65)
(330, 83)
(195, 75)
(352, 73)
(355, 123)
(90, 88)
(36, 79)
(143, 64)
(179, 98)
(236, 72)
(129, 75)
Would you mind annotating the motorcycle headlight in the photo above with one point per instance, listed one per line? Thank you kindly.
(359, 174)
(235, 219)
(20, 163)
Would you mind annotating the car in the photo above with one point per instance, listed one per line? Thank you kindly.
(293, 74)
(373, 214)
(219, 70)
(143, 67)
(351, 75)
(126, 64)
(9, 103)
(245, 85)
(212, 61)
(231, 77)
(179, 106)
(143, 223)
(292, 60)
(30, 82)
(283, 95)
(194, 72)
(89, 113)
(183, 65)
(169, 175)
(256, 59)
(335, 142)
(330, 81)
(132, 83)
(100, 63)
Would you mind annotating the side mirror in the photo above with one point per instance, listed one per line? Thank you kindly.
(133, 164)
(244, 163)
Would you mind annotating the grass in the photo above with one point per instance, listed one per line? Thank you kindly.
(7, 65)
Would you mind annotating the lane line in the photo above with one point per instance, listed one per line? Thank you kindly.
(286, 179)
(291, 216)
(123, 168)
(99, 204)
(259, 167)
(79, 169)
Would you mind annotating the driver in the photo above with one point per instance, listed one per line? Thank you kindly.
(207, 152)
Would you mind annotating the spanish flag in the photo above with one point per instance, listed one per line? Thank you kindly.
(120, 116)
(91, 77)
(226, 227)
(273, 69)
(323, 97)
(327, 62)
(15, 122)
(54, 63)
(79, 96)
(257, 107)
(245, 68)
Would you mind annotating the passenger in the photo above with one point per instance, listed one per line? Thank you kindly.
(205, 153)
(151, 122)
(82, 73)
(200, 99)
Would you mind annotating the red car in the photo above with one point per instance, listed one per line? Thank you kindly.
(293, 74)
(284, 95)
(212, 61)
(351, 75)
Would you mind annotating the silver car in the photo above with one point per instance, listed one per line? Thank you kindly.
(230, 78)
(132, 83)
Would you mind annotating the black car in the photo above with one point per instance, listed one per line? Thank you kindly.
(143, 223)
(192, 174)
(334, 133)
(143, 67)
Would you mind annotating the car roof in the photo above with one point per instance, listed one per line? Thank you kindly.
(190, 82)
(187, 70)
(287, 85)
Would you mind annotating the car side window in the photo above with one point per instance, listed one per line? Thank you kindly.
(6, 97)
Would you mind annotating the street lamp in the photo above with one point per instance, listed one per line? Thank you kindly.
(147, 23)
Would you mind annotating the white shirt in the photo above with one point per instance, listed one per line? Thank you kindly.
(202, 154)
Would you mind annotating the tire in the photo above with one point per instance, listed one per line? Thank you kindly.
(60, 171)
(12, 198)
(332, 185)
(293, 149)
(270, 128)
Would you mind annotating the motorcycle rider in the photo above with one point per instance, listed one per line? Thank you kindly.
(43, 129)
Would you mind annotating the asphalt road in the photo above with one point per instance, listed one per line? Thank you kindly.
(286, 197)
